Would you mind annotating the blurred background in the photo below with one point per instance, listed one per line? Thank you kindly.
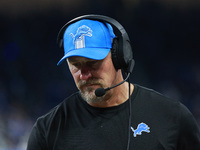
(165, 36)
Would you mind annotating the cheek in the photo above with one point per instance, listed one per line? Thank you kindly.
(107, 73)
(75, 74)
(76, 77)
(109, 68)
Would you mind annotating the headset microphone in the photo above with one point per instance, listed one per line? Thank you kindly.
(101, 91)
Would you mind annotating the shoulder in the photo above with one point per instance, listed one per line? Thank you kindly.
(157, 102)
(160, 104)
(58, 111)
(152, 96)
(45, 125)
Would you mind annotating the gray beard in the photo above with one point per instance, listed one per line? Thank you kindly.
(90, 97)
(88, 94)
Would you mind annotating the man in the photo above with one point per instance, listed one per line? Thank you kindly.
(126, 116)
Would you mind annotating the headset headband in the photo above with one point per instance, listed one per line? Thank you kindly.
(100, 18)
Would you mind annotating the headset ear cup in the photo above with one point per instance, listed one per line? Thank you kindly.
(114, 51)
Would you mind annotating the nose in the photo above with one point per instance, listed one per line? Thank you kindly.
(85, 73)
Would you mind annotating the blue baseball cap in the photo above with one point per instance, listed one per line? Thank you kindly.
(87, 38)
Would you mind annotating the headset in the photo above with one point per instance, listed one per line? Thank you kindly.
(121, 51)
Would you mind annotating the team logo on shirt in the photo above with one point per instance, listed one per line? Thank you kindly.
(142, 127)
(79, 37)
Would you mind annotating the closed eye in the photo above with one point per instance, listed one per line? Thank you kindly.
(92, 63)
(77, 65)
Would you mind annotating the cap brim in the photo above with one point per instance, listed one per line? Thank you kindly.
(91, 53)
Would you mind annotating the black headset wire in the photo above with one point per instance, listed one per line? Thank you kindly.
(130, 111)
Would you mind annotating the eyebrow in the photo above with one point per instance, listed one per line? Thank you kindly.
(76, 59)
(70, 59)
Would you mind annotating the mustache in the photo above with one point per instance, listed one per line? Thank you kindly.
(89, 82)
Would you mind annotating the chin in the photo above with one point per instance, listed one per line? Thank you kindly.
(90, 97)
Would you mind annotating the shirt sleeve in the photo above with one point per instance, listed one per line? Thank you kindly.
(189, 138)
(36, 139)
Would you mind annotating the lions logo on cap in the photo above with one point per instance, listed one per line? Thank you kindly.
(79, 37)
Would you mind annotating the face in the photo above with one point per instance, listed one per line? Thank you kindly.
(91, 74)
